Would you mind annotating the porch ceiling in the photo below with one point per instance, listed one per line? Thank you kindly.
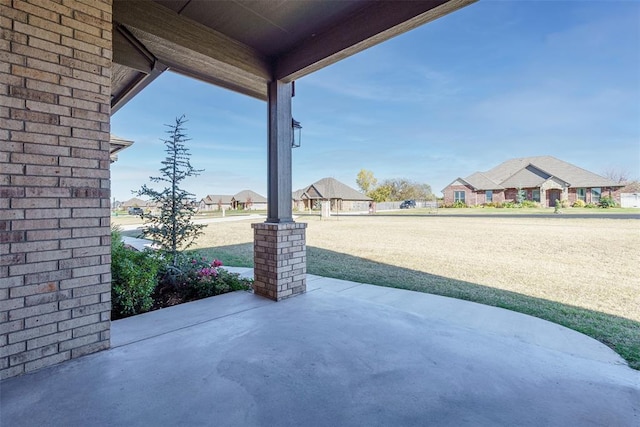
(243, 44)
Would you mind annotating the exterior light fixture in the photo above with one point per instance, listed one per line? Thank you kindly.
(297, 129)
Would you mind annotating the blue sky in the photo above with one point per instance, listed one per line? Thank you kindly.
(493, 81)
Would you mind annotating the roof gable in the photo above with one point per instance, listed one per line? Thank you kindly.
(244, 195)
(214, 199)
(528, 177)
(480, 181)
(331, 188)
(575, 176)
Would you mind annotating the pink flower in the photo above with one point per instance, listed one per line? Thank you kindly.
(216, 263)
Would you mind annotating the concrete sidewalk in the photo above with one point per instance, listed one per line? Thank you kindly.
(343, 354)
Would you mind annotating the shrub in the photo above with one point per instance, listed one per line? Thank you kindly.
(459, 204)
(590, 206)
(607, 202)
(579, 204)
(529, 204)
(489, 205)
(134, 276)
(510, 205)
(195, 277)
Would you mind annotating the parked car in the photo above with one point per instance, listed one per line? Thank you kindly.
(408, 204)
(136, 211)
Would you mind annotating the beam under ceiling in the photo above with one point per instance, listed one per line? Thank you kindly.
(190, 48)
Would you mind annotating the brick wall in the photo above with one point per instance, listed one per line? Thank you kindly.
(280, 261)
(55, 64)
(449, 193)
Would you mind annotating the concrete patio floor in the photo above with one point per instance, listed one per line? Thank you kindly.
(343, 354)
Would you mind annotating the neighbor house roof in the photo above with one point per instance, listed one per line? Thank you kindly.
(213, 199)
(528, 172)
(246, 194)
(331, 188)
(297, 195)
(480, 180)
(135, 202)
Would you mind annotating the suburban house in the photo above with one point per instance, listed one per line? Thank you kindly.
(542, 179)
(340, 196)
(215, 202)
(135, 203)
(245, 199)
(249, 200)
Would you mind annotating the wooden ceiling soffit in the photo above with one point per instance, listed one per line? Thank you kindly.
(190, 48)
(366, 27)
(134, 67)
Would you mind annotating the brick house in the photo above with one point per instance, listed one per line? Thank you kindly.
(245, 199)
(542, 179)
(340, 196)
(215, 202)
(249, 200)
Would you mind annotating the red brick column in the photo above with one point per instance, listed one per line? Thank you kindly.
(55, 86)
(280, 260)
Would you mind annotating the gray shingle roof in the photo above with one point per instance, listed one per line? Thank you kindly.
(212, 199)
(245, 194)
(481, 181)
(527, 172)
(331, 188)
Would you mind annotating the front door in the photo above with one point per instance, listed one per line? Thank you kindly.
(552, 196)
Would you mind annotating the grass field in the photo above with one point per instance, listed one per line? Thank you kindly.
(581, 273)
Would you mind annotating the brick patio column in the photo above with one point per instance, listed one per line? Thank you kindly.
(280, 262)
(55, 86)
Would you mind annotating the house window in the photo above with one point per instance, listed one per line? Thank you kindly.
(488, 196)
(582, 194)
(596, 192)
(458, 196)
(536, 195)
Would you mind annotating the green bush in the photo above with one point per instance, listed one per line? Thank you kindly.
(134, 276)
(590, 206)
(579, 204)
(489, 205)
(529, 204)
(459, 204)
(607, 202)
(195, 277)
(510, 205)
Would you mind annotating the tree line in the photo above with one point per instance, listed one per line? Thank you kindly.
(392, 190)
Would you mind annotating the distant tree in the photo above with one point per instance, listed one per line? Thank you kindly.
(404, 189)
(366, 181)
(381, 193)
(219, 204)
(248, 203)
(172, 227)
(617, 175)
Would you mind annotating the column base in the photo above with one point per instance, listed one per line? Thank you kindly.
(279, 260)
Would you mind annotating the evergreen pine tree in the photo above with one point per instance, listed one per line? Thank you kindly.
(171, 227)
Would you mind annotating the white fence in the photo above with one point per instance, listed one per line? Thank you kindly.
(630, 200)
